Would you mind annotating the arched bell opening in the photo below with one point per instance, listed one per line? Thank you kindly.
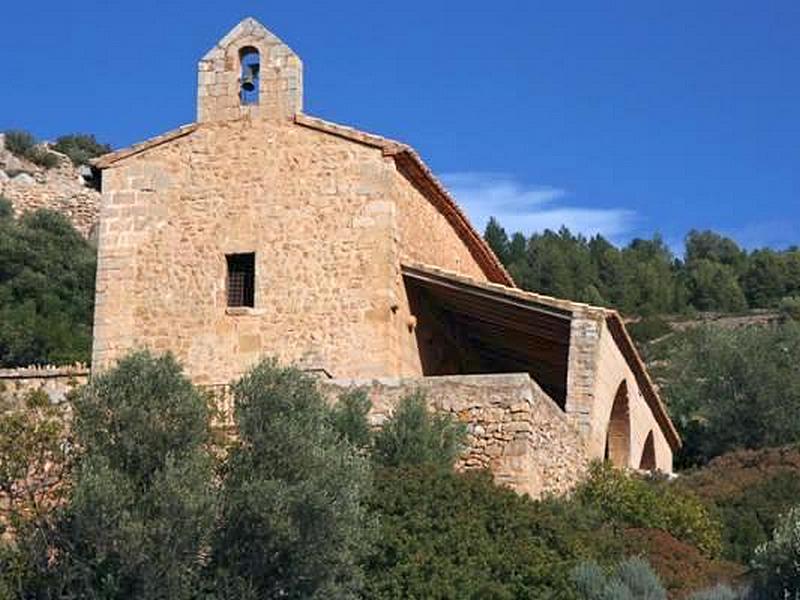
(249, 78)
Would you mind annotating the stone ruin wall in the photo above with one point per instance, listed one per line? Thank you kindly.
(55, 381)
(62, 189)
(514, 428)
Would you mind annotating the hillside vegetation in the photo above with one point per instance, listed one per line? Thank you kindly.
(47, 272)
(79, 147)
(140, 499)
(302, 504)
(644, 278)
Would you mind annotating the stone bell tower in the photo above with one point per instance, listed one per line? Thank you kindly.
(249, 73)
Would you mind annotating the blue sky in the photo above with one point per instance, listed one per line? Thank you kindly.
(624, 118)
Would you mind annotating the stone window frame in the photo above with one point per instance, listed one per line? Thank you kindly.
(244, 264)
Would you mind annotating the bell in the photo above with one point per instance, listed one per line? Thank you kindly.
(248, 83)
(249, 80)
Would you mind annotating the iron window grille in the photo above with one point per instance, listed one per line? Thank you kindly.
(241, 279)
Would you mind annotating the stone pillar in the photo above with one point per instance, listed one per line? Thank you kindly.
(582, 363)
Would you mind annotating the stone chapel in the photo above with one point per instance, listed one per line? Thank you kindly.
(261, 231)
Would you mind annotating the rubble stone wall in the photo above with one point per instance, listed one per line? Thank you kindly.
(515, 430)
(56, 382)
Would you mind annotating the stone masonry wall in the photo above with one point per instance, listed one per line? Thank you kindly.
(61, 189)
(597, 369)
(583, 353)
(319, 211)
(314, 209)
(515, 429)
(424, 235)
(611, 370)
(56, 382)
(280, 79)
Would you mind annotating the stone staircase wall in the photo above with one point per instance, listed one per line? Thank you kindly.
(514, 429)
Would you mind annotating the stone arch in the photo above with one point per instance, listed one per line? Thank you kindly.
(648, 460)
(618, 436)
(249, 76)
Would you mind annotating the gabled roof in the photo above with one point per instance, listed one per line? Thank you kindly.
(247, 27)
(408, 163)
(419, 174)
(568, 308)
(105, 161)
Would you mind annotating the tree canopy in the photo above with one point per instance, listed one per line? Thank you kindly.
(644, 277)
(733, 388)
(293, 522)
(47, 273)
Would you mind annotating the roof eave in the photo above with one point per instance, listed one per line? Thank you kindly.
(106, 160)
(411, 165)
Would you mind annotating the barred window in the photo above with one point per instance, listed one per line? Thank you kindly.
(241, 279)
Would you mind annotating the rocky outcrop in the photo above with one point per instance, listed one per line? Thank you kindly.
(64, 188)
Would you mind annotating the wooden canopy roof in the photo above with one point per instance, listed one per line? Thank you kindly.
(526, 329)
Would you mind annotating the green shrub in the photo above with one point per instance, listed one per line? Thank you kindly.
(749, 519)
(34, 468)
(776, 563)
(634, 502)
(80, 147)
(732, 389)
(590, 581)
(33, 457)
(6, 208)
(142, 508)
(636, 575)
(350, 418)
(681, 567)
(449, 535)
(632, 579)
(20, 143)
(414, 436)
(293, 520)
(748, 491)
(25, 145)
(648, 329)
(789, 308)
(46, 291)
(721, 592)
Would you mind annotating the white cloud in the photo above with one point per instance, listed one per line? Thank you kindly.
(527, 208)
